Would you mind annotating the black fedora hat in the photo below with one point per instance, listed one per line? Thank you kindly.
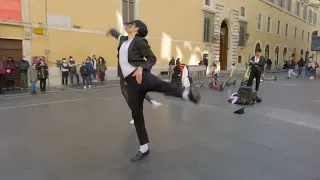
(239, 111)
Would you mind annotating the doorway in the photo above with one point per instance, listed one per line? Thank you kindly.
(277, 56)
(224, 33)
(11, 48)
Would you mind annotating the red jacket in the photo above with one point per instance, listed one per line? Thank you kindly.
(2, 70)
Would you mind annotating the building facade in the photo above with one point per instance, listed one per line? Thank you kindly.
(223, 31)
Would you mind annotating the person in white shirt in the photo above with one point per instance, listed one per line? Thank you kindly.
(135, 59)
(94, 64)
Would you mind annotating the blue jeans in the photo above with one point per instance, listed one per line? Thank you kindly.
(94, 74)
(33, 86)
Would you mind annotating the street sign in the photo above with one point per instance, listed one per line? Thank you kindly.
(39, 31)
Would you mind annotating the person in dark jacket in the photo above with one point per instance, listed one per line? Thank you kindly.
(11, 75)
(73, 69)
(172, 62)
(102, 67)
(178, 61)
(269, 64)
(301, 65)
(85, 76)
(33, 78)
(24, 66)
(256, 65)
(2, 75)
(64, 67)
(291, 67)
(90, 70)
(42, 75)
(135, 59)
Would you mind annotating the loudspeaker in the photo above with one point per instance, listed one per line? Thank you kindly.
(245, 95)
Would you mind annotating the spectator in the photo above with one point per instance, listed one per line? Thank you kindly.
(172, 61)
(24, 67)
(64, 67)
(10, 68)
(73, 69)
(312, 66)
(95, 66)
(269, 64)
(90, 70)
(2, 75)
(206, 62)
(201, 62)
(301, 64)
(33, 78)
(178, 61)
(42, 74)
(102, 69)
(85, 76)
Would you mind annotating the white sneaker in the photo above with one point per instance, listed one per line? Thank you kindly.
(89, 86)
(132, 122)
(155, 104)
(84, 87)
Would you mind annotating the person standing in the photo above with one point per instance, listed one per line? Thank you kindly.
(178, 61)
(269, 64)
(95, 68)
(33, 78)
(2, 75)
(10, 69)
(73, 69)
(85, 75)
(301, 64)
(24, 67)
(90, 71)
(64, 67)
(42, 75)
(256, 65)
(102, 69)
(135, 59)
(172, 61)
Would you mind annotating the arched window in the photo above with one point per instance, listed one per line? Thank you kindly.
(266, 52)
(257, 46)
(285, 52)
(277, 56)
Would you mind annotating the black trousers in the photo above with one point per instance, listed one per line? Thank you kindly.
(74, 73)
(43, 83)
(65, 78)
(2, 78)
(254, 73)
(85, 80)
(102, 76)
(135, 94)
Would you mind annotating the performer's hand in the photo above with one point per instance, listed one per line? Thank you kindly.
(138, 74)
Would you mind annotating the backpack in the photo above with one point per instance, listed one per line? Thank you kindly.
(316, 65)
(245, 95)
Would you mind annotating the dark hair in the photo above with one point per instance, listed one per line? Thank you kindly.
(143, 29)
(103, 61)
(70, 57)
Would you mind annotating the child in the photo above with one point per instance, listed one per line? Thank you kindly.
(85, 75)
(33, 78)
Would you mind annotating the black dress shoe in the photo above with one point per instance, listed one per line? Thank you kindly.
(140, 156)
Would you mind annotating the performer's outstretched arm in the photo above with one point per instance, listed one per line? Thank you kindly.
(114, 33)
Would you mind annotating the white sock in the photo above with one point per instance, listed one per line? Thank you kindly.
(155, 104)
(185, 94)
(144, 148)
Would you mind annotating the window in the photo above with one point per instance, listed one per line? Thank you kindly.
(308, 37)
(305, 12)
(289, 5)
(243, 11)
(207, 2)
(277, 55)
(281, 3)
(287, 27)
(302, 37)
(242, 33)
(310, 15)
(259, 22)
(257, 46)
(315, 18)
(239, 59)
(128, 10)
(206, 35)
(278, 28)
(295, 33)
(269, 25)
(298, 9)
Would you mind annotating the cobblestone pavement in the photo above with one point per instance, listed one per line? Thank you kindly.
(85, 134)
